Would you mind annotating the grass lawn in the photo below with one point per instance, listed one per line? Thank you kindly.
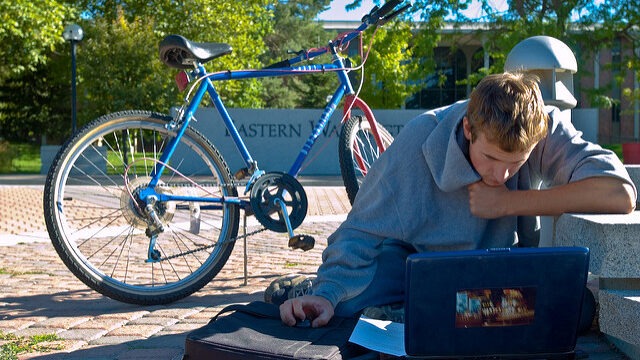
(19, 158)
(25, 158)
(11, 346)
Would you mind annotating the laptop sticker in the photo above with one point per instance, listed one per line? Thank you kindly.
(495, 307)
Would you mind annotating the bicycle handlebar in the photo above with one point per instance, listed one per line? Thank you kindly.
(377, 16)
(394, 14)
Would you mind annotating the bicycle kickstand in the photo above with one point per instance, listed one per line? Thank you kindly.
(300, 241)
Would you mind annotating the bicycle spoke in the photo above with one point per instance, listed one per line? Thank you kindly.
(358, 150)
(115, 265)
(170, 265)
(126, 269)
(90, 256)
(191, 239)
(177, 239)
(100, 221)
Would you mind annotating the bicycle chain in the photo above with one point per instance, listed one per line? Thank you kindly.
(211, 246)
(207, 247)
(203, 248)
(194, 184)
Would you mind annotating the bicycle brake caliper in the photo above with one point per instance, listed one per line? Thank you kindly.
(177, 119)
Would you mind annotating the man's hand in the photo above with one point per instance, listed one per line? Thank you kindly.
(315, 308)
(487, 201)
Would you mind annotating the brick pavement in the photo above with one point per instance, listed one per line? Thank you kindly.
(40, 296)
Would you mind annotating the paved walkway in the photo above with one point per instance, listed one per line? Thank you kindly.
(40, 296)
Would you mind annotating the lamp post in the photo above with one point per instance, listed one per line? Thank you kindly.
(73, 34)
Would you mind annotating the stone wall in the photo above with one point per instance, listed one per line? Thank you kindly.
(614, 241)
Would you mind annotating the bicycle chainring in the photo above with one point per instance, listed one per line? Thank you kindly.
(270, 187)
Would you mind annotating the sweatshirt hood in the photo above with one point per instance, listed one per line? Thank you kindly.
(446, 149)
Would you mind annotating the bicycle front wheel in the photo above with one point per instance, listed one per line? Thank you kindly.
(98, 224)
(358, 150)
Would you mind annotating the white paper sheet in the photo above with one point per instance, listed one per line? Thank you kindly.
(378, 335)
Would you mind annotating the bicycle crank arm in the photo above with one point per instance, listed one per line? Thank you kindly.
(285, 215)
(303, 242)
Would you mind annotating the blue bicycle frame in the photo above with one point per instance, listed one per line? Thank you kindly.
(206, 87)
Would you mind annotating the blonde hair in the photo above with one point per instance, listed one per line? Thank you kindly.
(508, 109)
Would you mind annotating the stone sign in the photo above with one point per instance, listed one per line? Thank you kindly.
(274, 137)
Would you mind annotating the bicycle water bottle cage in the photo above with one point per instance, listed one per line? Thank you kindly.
(178, 52)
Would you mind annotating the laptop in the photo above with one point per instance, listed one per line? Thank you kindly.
(504, 303)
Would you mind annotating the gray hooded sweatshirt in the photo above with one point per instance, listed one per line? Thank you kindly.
(416, 193)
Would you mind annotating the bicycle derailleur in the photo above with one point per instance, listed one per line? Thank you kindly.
(279, 202)
(148, 216)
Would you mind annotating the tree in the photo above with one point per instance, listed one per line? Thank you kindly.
(119, 69)
(117, 61)
(389, 66)
(241, 24)
(33, 93)
(36, 103)
(404, 53)
(295, 29)
(612, 25)
(30, 31)
(586, 26)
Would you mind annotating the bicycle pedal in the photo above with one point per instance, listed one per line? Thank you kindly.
(303, 242)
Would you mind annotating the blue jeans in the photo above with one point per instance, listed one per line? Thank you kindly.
(388, 284)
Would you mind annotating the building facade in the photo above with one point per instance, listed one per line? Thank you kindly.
(613, 121)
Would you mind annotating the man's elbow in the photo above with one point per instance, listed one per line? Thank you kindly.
(626, 199)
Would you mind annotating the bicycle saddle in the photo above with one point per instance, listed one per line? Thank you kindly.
(178, 52)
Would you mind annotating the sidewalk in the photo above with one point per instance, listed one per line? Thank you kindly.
(40, 296)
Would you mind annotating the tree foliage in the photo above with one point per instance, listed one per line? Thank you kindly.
(389, 66)
(34, 98)
(30, 32)
(117, 60)
(585, 25)
(294, 29)
(119, 69)
(118, 66)
(36, 103)
(612, 26)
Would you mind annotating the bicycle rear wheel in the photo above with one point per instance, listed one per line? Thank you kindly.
(358, 150)
(96, 223)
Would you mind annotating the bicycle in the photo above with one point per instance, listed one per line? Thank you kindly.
(143, 208)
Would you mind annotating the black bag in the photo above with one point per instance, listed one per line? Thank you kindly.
(255, 331)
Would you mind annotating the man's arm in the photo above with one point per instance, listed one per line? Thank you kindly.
(592, 195)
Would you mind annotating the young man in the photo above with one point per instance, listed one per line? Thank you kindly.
(466, 176)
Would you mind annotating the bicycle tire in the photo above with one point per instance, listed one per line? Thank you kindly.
(358, 150)
(97, 228)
